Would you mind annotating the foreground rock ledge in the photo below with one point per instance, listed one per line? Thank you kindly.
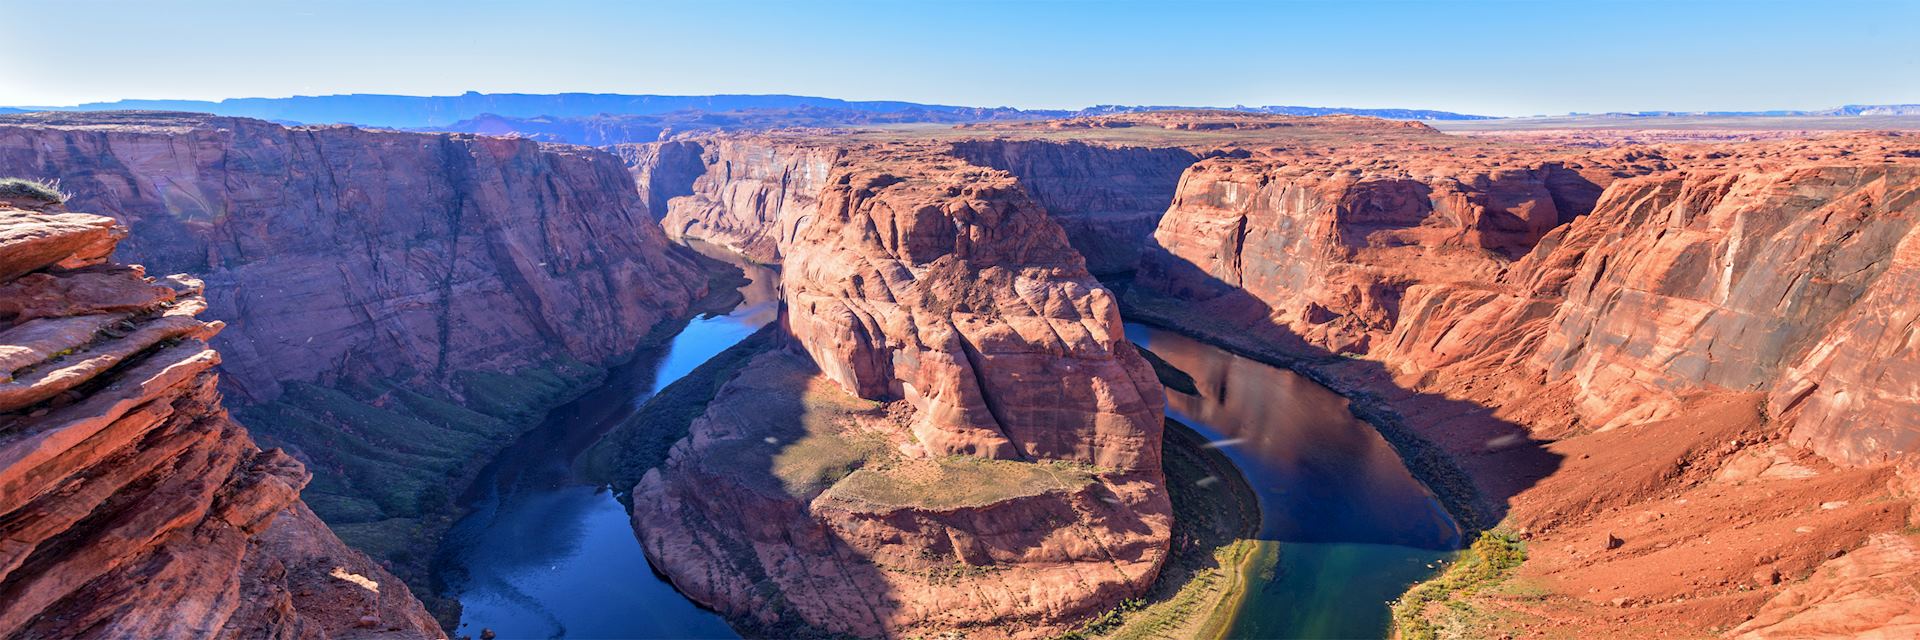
(131, 506)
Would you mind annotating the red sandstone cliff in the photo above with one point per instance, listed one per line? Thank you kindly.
(131, 506)
(969, 444)
(1713, 351)
(398, 305)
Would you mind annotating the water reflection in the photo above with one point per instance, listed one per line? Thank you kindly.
(542, 554)
(1344, 528)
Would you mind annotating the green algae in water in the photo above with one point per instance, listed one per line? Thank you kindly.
(1304, 590)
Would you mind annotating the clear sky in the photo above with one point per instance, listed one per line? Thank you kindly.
(1496, 57)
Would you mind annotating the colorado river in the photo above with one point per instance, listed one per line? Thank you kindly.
(1345, 527)
(542, 553)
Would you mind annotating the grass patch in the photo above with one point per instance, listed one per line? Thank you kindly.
(1426, 608)
(817, 461)
(526, 395)
(957, 481)
(32, 191)
(1213, 543)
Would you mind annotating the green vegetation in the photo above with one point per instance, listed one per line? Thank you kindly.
(816, 461)
(1427, 608)
(389, 460)
(625, 454)
(1207, 571)
(957, 481)
(524, 396)
(32, 191)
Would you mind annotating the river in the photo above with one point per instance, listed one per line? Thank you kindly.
(542, 553)
(1345, 528)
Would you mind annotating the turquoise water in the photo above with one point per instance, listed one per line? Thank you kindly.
(1345, 528)
(541, 553)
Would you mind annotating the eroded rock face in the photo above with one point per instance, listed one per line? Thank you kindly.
(796, 508)
(967, 444)
(1728, 274)
(952, 289)
(1704, 349)
(337, 252)
(747, 195)
(1328, 248)
(1864, 594)
(130, 504)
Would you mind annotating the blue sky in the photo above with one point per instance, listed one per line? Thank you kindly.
(1501, 57)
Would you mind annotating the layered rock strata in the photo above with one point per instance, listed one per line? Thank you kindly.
(1694, 307)
(131, 505)
(959, 439)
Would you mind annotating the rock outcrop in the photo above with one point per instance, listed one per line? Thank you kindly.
(959, 439)
(131, 505)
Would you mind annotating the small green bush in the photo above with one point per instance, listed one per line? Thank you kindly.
(1490, 560)
(30, 190)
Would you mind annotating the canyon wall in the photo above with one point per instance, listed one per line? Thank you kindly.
(951, 288)
(1108, 197)
(742, 193)
(959, 439)
(335, 252)
(1704, 349)
(131, 505)
(1724, 274)
(398, 305)
(1327, 251)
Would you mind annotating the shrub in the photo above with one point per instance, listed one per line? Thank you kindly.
(1490, 560)
(29, 190)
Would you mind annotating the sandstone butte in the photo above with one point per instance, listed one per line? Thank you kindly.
(1683, 371)
(131, 505)
(964, 440)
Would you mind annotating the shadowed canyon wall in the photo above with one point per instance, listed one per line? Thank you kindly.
(1108, 198)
